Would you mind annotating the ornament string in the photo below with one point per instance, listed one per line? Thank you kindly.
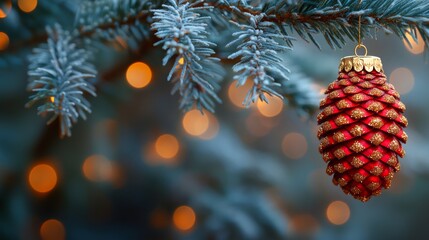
(360, 45)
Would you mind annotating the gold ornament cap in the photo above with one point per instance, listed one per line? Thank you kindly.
(359, 63)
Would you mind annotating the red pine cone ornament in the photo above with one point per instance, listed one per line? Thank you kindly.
(360, 129)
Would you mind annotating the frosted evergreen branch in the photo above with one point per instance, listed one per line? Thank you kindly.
(183, 35)
(60, 75)
(337, 20)
(258, 51)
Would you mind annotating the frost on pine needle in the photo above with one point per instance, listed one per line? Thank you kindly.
(258, 51)
(195, 72)
(60, 77)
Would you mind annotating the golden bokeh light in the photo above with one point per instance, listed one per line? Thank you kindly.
(167, 146)
(139, 75)
(238, 94)
(417, 47)
(2, 13)
(184, 218)
(294, 145)
(213, 128)
(338, 212)
(27, 5)
(271, 109)
(402, 79)
(52, 229)
(97, 168)
(181, 61)
(195, 123)
(42, 178)
(4, 41)
(5, 7)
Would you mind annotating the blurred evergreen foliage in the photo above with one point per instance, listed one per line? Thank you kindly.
(239, 182)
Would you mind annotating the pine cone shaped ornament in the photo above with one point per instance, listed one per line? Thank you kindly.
(361, 128)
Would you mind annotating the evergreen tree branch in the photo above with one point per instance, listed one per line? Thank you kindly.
(183, 35)
(60, 75)
(336, 20)
(258, 52)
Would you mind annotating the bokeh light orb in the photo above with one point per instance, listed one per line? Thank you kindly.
(52, 229)
(184, 218)
(338, 212)
(195, 123)
(139, 75)
(237, 94)
(402, 79)
(5, 7)
(27, 5)
(167, 146)
(97, 168)
(294, 145)
(213, 129)
(4, 41)
(42, 178)
(417, 47)
(271, 109)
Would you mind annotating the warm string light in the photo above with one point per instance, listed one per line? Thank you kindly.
(27, 5)
(98, 168)
(42, 178)
(213, 129)
(52, 229)
(4, 41)
(402, 79)
(238, 94)
(414, 46)
(139, 75)
(167, 146)
(200, 124)
(163, 150)
(195, 123)
(271, 109)
(5, 7)
(294, 145)
(184, 218)
(338, 212)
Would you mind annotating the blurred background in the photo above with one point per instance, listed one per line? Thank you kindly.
(139, 168)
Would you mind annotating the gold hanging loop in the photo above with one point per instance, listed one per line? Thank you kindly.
(364, 48)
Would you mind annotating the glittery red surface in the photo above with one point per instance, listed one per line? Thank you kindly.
(361, 132)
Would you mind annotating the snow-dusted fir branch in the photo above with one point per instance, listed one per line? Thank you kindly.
(183, 35)
(337, 20)
(259, 48)
(60, 75)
